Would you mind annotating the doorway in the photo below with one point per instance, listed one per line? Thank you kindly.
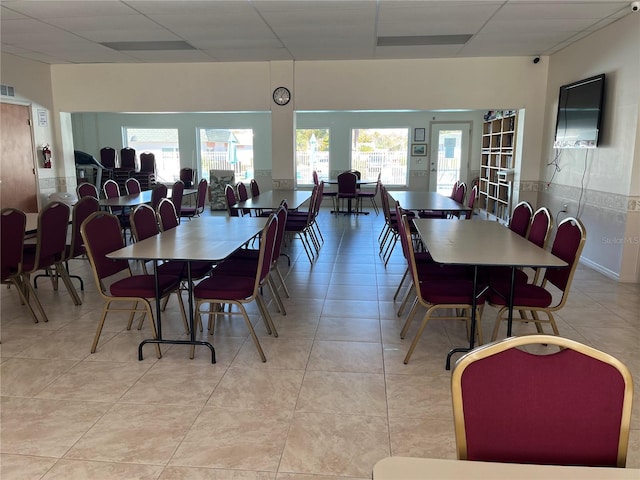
(449, 155)
(18, 186)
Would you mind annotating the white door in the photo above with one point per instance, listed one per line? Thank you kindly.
(449, 155)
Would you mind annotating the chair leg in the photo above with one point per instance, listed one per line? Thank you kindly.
(252, 332)
(414, 343)
(17, 282)
(94, 345)
(281, 278)
(409, 320)
(276, 296)
(405, 299)
(266, 317)
(404, 277)
(29, 292)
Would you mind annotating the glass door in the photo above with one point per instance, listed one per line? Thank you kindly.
(449, 156)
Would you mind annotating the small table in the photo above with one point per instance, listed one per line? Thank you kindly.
(271, 199)
(432, 201)
(208, 238)
(481, 243)
(136, 199)
(407, 468)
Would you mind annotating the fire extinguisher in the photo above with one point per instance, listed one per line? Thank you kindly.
(46, 156)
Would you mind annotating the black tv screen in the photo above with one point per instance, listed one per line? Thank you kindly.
(580, 113)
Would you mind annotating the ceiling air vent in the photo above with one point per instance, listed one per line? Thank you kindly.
(7, 91)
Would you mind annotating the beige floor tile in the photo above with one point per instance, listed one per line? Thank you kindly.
(147, 434)
(45, 427)
(422, 437)
(235, 439)
(26, 377)
(257, 389)
(82, 470)
(346, 357)
(417, 396)
(301, 476)
(24, 467)
(329, 444)
(343, 393)
(281, 353)
(183, 383)
(191, 473)
(342, 329)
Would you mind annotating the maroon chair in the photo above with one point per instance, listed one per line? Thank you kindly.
(436, 292)
(567, 245)
(11, 251)
(371, 195)
(112, 190)
(48, 253)
(75, 248)
(133, 186)
(568, 407)
(220, 289)
(158, 193)
(147, 174)
(201, 199)
(177, 191)
(242, 196)
(87, 190)
(128, 159)
(166, 213)
(471, 202)
(109, 160)
(255, 188)
(348, 189)
(231, 200)
(132, 293)
(187, 176)
(301, 226)
(520, 218)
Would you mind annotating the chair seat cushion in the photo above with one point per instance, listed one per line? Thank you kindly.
(225, 287)
(199, 269)
(500, 275)
(238, 266)
(448, 290)
(143, 286)
(523, 295)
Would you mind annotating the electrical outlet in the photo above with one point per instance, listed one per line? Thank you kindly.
(565, 207)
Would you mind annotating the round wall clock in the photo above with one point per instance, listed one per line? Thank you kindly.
(281, 95)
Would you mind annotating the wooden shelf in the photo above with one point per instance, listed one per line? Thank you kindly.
(496, 167)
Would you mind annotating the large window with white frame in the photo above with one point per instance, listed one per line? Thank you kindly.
(227, 149)
(163, 143)
(381, 152)
(312, 153)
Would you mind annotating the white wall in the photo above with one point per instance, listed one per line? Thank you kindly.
(601, 186)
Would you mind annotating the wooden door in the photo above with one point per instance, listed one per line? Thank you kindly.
(18, 187)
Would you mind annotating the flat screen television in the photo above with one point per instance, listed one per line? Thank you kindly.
(580, 113)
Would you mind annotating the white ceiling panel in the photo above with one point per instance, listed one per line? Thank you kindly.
(241, 30)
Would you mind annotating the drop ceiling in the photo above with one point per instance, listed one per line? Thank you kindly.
(91, 31)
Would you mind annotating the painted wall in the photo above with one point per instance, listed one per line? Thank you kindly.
(601, 186)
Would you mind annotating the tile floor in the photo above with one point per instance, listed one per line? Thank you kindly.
(333, 398)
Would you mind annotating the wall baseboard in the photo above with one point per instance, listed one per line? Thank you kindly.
(599, 268)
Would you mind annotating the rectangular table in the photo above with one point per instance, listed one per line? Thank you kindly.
(208, 238)
(481, 243)
(136, 199)
(408, 468)
(271, 199)
(432, 201)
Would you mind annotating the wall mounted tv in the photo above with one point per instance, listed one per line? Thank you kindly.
(580, 113)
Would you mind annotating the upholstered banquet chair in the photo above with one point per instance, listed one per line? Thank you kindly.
(520, 218)
(191, 212)
(75, 246)
(347, 189)
(87, 190)
(118, 286)
(177, 191)
(515, 402)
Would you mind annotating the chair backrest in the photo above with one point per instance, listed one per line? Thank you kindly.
(132, 185)
(144, 223)
(281, 215)
(316, 180)
(384, 198)
(347, 183)
(520, 218)
(570, 407)
(187, 176)
(51, 246)
(102, 235)
(147, 162)
(202, 195)
(461, 192)
(176, 196)
(108, 157)
(111, 189)
(230, 197)
(454, 188)
(254, 187)
(167, 218)
(81, 211)
(540, 227)
(158, 193)
(267, 243)
(471, 202)
(242, 192)
(128, 158)
(567, 245)
(87, 190)
(356, 173)
(13, 223)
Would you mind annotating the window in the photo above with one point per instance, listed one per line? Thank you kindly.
(312, 153)
(226, 149)
(163, 143)
(381, 151)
